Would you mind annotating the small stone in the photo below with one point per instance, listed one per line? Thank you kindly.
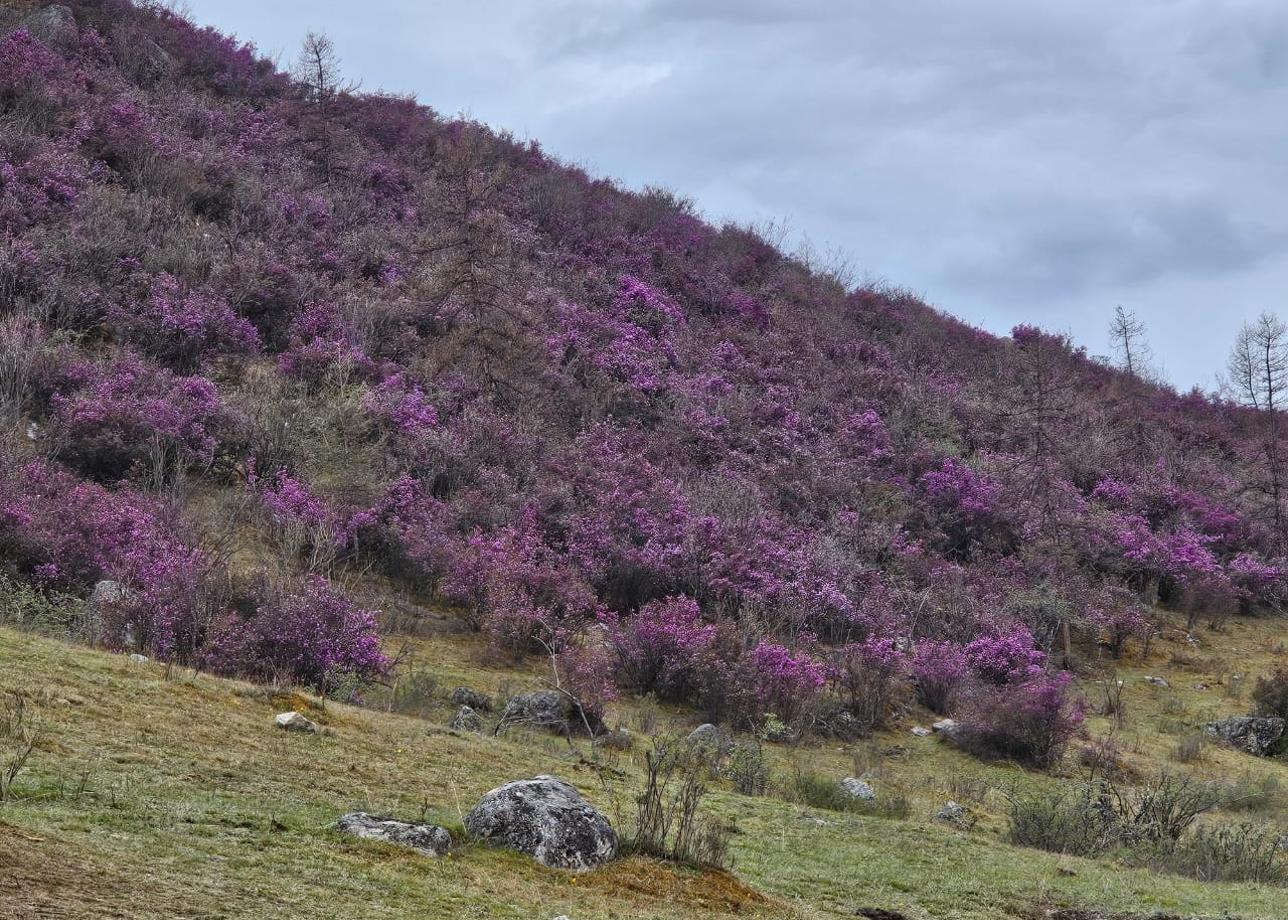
(139, 659)
(1157, 681)
(619, 739)
(294, 722)
(858, 789)
(921, 731)
(465, 696)
(429, 839)
(467, 720)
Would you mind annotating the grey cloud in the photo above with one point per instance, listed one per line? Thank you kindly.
(1009, 159)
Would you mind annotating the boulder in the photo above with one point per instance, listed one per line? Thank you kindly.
(467, 720)
(547, 819)
(548, 709)
(429, 839)
(294, 722)
(858, 789)
(953, 813)
(710, 737)
(50, 22)
(947, 729)
(1258, 735)
(619, 739)
(464, 696)
(105, 595)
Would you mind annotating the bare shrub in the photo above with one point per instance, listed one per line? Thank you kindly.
(668, 822)
(19, 734)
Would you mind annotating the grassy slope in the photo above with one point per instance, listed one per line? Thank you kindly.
(196, 807)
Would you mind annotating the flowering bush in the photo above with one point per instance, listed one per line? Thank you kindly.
(1030, 722)
(775, 679)
(660, 648)
(321, 348)
(869, 676)
(304, 525)
(586, 672)
(71, 533)
(129, 414)
(1007, 656)
(1118, 625)
(312, 635)
(939, 671)
(181, 327)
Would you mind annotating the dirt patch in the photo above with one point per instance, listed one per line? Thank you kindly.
(711, 891)
(38, 880)
(878, 913)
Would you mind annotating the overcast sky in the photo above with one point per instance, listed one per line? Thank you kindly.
(1027, 161)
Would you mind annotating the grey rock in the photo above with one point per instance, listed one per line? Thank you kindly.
(547, 819)
(921, 731)
(106, 595)
(953, 813)
(1157, 681)
(548, 709)
(858, 789)
(1258, 735)
(712, 738)
(945, 728)
(294, 722)
(139, 659)
(465, 696)
(467, 720)
(429, 839)
(50, 22)
(619, 739)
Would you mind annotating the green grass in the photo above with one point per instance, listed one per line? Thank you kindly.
(195, 806)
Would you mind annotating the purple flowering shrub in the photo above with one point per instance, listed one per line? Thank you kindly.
(1118, 624)
(304, 525)
(1030, 722)
(127, 416)
(1006, 655)
(321, 348)
(939, 672)
(869, 677)
(660, 648)
(71, 533)
(311, 634)
(181, 327)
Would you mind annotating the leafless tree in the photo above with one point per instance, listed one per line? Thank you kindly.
(318, 67)
(1127, 333)
(1258, 376)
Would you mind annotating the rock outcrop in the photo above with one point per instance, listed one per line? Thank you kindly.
(1258, 735)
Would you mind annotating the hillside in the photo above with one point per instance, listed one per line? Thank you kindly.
(156, 796)
(326, 392)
